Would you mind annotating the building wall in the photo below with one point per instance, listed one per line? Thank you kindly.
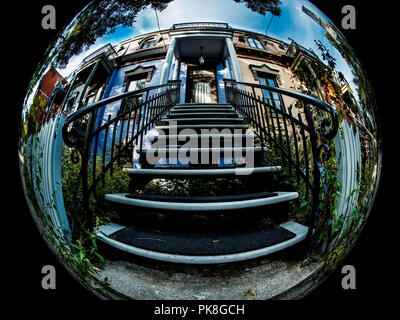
(49, 81)
(46, 87)
(116, 87)
(131, 46)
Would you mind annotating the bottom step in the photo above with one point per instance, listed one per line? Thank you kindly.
(202, 248)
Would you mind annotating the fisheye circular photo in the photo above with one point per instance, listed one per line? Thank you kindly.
(202, 150)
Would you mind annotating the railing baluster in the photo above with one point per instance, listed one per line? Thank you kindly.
(138, 124)
(153, 110)
(120, 140)
(247, 101)
(271, 117)
(129, 115)
(264, 120)
(95, 158)
(316, 165)
(134, 127)
(296, 148)
(113, 145)
(103, 167)
(254, 101)
(289, 148)
(305, 157)
(278, 123)
(258, 122)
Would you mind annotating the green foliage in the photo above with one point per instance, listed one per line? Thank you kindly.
(84, 258)
(348, 234)
(117, 183)
(263, 6)
(81, 256)
(34, 114)
(81, 259)
(102, 17)
(195, 187)
(286, 180)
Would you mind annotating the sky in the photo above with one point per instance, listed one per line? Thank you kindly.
(293, 23)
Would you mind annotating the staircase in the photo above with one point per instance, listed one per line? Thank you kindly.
(198, 143)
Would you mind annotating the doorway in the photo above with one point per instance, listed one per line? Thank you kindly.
(201, 84)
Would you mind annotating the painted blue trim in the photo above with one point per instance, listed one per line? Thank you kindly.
(220, 82)
(183, 78)
(230, 68)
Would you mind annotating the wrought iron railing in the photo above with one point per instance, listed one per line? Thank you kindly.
(302, 137)
(82, 130)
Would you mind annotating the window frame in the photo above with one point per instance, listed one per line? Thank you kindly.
(153, 40)
(129, 78)
(71, 100)
(255, 41)
(272, 77)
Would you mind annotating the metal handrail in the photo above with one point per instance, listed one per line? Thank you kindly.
(288, 134)
(85, 138)
(324, 106)
(95, 106)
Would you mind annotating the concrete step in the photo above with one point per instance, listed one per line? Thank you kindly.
(195, 150)
(202, 105)
(203, 120)
(212, 204)
(201, 248)
(200, 137)
(201, 172)
(201, 115)
(202, 126)
(185, 110)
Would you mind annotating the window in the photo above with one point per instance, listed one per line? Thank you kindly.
(283, 46)
(136, 79)
(133, 83)
(92, 95)
(70, 101)
(90, 99)
(148, 43)
(136, 84)
(271, 98)
(255, 43)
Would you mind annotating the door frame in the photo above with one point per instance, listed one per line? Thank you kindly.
(210, 67)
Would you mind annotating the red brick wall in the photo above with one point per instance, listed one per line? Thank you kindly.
(49, 80)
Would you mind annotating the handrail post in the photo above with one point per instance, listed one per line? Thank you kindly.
(85, 157)
(316, 166)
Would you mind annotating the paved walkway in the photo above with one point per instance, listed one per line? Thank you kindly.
(181, 282)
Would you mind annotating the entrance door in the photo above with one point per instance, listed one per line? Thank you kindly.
(201, 85)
